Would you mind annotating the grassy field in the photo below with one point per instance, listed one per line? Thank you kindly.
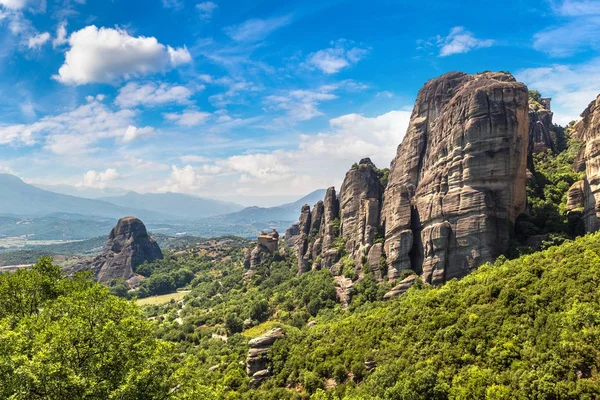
(165, 298)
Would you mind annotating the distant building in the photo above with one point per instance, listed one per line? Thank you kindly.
(545, 102)
(270, 241)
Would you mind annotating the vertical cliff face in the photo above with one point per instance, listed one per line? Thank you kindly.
(458, 181)
(586, 194)
(455, 188)
(360, 206)
(128, 246)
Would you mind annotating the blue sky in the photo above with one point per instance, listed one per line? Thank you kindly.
(232, 98)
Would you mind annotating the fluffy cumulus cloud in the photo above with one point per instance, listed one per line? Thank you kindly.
(332, 60)
(136, 94)
(206, 9)
(99, 180)
(254, 30)
(460, 41)
(578, 30)
(37, 41)
(300, 169)
(107, 55)
(132, 133)
(73, 132)
(185, 180)
(572, 87)
(188, 117)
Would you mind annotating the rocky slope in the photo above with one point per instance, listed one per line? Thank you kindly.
(257, 361)
(455, 188)
(128, 246)
(585, 195)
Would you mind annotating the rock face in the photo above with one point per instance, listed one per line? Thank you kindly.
(541, 128)
(402, 287)
(128, 246)
(257, 362)
(360, 206)
(453, 192)
(457, 183)
(586, 194)
(267, 243)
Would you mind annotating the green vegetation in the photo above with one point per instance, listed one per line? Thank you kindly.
(70, 339)
(547, 220)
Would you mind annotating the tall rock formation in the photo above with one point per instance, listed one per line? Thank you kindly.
(267, 243)
(360, 205)
(457, 183)
(128, 246)
(257, 361)
(541, 128)
(585, 194)
(453, 193)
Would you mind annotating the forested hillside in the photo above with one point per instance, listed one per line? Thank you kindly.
(526, 328)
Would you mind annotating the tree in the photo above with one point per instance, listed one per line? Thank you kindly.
(70, 339)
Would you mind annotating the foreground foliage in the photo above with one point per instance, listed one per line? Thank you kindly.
(70, 339)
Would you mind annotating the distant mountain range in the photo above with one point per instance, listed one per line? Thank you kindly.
(19, 198)
(175, 204)
(285, 212)
(39, 214)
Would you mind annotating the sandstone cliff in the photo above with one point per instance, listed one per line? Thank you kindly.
(257, 361)
(457, 183)
(455, 188)
(585, 195)
(128, 246)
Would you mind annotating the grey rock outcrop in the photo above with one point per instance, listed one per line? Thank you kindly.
(128, 246)
(457, 183)
(586, 194)
(453, 191)
(267, 243)
(360, 205)
(402, 287)
(257, 361)
(302, 241)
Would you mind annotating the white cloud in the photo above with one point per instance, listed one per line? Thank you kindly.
(107, 55)
(185, 180)
(179, 56)
(132, 133)
(16, 134)
(176, 4)
(578, 32)
(188, 117)
(99, 180)
(28, 110)
(206, 9)
(7, 170)
(578, 8)
(61, 35)
(37, 41)
(300, 169)
(13, 4)
(72, 132)
(193, 159)
(460, 41)
(136, 94)
(302, 105)
(254, 30)
(233, 93)
(572, 87)
(334, 59)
